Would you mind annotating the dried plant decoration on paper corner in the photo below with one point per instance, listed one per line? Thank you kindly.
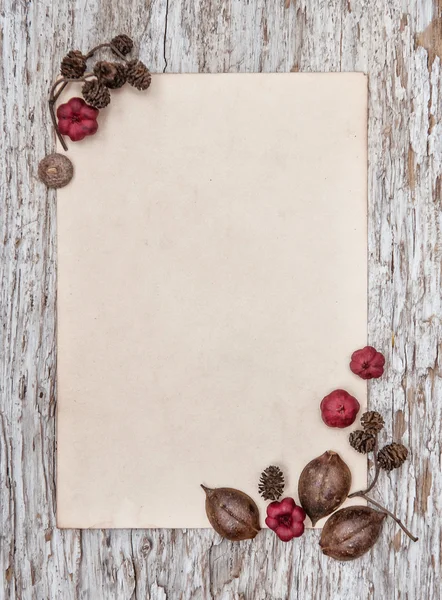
(323, 485)
(77, 118)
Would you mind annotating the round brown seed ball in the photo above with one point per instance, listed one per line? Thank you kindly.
(55, 170)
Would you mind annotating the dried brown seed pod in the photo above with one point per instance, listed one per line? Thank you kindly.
(392, 456)
(122, 43)
(232, 514)
(95, 93)
(372, 422)
(271, 483)
(55, 170)
(351, 532)
(73, 65)
(362, 441)
(111, 74)
(138, 74)
(324, 485)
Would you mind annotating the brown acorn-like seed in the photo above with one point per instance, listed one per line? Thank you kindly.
(232, 514)
(55, 170)
(351, 532)
(323, 485)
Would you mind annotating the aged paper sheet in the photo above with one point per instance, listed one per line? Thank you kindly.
(212, 285)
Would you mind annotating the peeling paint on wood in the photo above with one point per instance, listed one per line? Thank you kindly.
(431, 39)
(398, 43)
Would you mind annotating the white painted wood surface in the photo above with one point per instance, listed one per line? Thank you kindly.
(398, 43)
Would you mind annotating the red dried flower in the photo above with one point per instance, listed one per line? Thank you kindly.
(339, 409)
(368, 363)
(285, 519)
(77, 119)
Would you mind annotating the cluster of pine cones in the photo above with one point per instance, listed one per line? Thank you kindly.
(107, 75)
(391, 456)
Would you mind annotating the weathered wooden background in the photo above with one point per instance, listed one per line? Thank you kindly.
(399, 43)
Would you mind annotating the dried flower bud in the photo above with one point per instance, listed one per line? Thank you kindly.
(271, 483)
(138, 74)
(122, 43)
(55, 170)
(111, 74)
(95, 93)
(73, 65)
(392, 456)
(372, 422)
(232, 514)
(362, 441)
(323, 485)
(351, 532)
(368, 363)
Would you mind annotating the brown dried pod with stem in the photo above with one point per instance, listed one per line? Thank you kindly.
(350, 532)
(391, 456)
(232, 514)
(323, 485)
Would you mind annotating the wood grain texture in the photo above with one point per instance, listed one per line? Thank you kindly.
(397, 43)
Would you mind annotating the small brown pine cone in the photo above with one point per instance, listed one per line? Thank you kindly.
(112, 75)
(95, 93)
(392, 456)
(362, 441)
(122, 43)
(138, 75)
(73, 65)
(372, 422)
(271, 483)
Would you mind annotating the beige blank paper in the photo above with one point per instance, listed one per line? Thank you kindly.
(212, 268)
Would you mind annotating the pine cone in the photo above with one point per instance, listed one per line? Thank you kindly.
(372, 422)
(96, 94)
(362, 441)
(122, 43)
(112, 75)
(73, 65)
(271, 483)
(392, 456)
(138, 74)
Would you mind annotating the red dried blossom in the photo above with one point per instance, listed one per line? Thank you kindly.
(77, 119)
(368, 363)
(339, 409)
(286, 519)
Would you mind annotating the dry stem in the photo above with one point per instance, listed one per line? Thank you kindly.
(64, 81)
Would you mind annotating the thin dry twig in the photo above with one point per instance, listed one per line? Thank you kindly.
(64, 81)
